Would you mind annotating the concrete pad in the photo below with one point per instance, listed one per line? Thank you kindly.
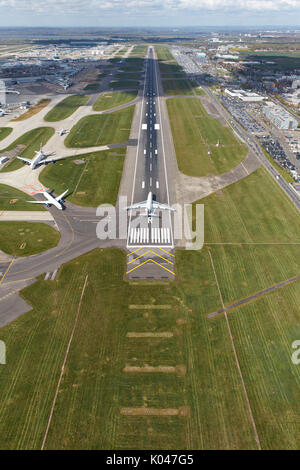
(24, 216)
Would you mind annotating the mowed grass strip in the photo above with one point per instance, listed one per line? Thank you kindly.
(111, 100)
(12, 199)
(92, 179)
(196, 136)
(33, 110)
(177, 87)
(26, 238)
(65, 108)
(163, 52)
(124, 84)
(213, 413)
(4, 132)
(31, 140)
(128, 75)
(101, 129)
(92, 86)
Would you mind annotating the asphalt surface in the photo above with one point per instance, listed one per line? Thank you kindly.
(252, 297)
(150, 244)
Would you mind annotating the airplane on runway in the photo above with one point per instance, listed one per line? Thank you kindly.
(150, 207)
(51, 200)
(62, 132)
(39, 159)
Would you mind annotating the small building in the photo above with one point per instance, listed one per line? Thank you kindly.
(245, 95)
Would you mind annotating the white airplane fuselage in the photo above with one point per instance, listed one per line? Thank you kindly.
(40, 156)
(149, 205)
(52, 200)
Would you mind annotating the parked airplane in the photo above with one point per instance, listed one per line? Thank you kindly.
(62, 132)
(150, 207)
(51, 200)
(39, 159)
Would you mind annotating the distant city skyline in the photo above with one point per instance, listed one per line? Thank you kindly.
(149, 13)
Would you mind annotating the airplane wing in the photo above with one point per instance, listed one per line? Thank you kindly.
(51, 160)
(25, 160)
(58, 198)
(38, 202)
(138, 205)
(158, 205)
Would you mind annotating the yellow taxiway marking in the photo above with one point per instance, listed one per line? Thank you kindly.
(166, 252)
(150, 251)
(147, 261)
(8, 268)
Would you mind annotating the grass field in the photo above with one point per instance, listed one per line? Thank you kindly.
(4, 132)
(31, 141)
(139, 51)
(124, 84)
(207, 387)
(111, 100)
(195, 134)
(131, 68)
(33, 110)
(94, 388)
(92, 86)
(163, 53)
(66, 107)
(128, 75)
(177, 87)
(96, 181)
(25, 238)
(96, 130)
(11, 199)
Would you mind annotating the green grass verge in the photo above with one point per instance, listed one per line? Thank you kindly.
(195, 134)
(177, 87)
(124, 84)
(163, 53)
(31, 141)
(65, 108)
(4, 132)
(96, 181)
(25, 238)
(96, 130)
(128, 75)
(93, 86)
(111, 100)
(11, 199)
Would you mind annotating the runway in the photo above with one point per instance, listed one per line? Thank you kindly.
(150, 175)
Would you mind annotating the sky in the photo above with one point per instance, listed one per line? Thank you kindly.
(155, 13)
